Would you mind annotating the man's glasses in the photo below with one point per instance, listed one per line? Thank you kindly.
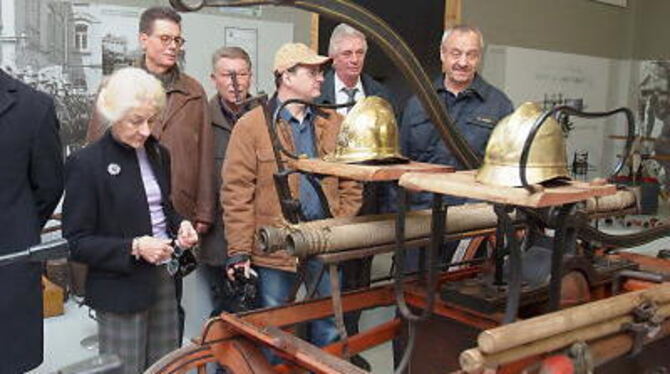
(166, 40)
(237, 75)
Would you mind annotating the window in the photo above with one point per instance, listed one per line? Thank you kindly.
(81, 37)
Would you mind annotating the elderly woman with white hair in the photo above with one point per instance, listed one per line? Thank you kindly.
(119, 221)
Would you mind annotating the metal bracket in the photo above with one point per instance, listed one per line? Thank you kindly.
(582, 358)
(646, 324)
(513, 247)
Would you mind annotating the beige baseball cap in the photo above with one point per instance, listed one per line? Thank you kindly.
(292, 54)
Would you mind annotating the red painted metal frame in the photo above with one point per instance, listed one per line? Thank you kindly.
(233, 339)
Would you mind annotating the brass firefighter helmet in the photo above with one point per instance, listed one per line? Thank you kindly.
(369, 133)
(546, 160)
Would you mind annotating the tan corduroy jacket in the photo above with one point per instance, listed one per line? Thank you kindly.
(248, 194)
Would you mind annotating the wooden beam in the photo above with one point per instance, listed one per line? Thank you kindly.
(314, 33)
(452, 13)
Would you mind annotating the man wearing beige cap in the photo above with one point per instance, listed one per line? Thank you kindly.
(248, 195)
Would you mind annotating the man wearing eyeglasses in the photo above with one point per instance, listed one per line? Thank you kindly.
(231, 75)
(184, 127)
(248, 194)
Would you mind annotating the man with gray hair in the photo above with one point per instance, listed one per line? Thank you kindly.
(232, 77)
(474, 105)
(346, 81)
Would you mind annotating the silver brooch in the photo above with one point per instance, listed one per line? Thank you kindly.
(113, 169)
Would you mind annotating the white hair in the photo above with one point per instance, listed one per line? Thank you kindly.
(343, 31)
(126, 89)
(463, 29)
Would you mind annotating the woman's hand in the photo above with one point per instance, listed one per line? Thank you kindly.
(187, 237)
(152, 250)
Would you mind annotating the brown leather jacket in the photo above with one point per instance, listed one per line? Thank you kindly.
(248, 194)
(185, 130)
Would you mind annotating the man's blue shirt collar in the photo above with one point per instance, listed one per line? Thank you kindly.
(288, 117)
(479, 87)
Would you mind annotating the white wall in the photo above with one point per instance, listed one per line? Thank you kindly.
(205, 33)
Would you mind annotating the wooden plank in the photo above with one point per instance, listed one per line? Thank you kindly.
(52, 296)
(463, 184)
(647, 263)
(314, 32)
(358, 343)
(452, 13)
(293, 348)
(367, 173)
(659, 157)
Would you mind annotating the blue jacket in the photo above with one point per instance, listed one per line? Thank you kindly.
(475, 112)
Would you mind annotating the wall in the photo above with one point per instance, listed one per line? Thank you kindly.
(572, 26)
(641, 31)
(652, 30)
(299, 18)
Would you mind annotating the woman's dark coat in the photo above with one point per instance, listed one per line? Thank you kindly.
(105, 208)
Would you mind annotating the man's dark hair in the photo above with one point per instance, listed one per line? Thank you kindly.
(155, 13)
(278, 76)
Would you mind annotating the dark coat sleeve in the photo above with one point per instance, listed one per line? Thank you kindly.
(46, 165)
(81, 218)
(411, 116)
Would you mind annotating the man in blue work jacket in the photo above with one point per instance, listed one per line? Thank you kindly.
(474, 105)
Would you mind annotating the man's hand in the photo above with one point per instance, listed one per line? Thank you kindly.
(245, 265)
(202, 227)
(187, 236)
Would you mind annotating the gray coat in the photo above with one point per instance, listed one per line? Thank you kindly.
(213, 246)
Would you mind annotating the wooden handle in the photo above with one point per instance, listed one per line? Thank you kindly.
(474, 359)
(530, 330)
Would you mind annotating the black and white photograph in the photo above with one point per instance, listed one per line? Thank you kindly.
(335, 186)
